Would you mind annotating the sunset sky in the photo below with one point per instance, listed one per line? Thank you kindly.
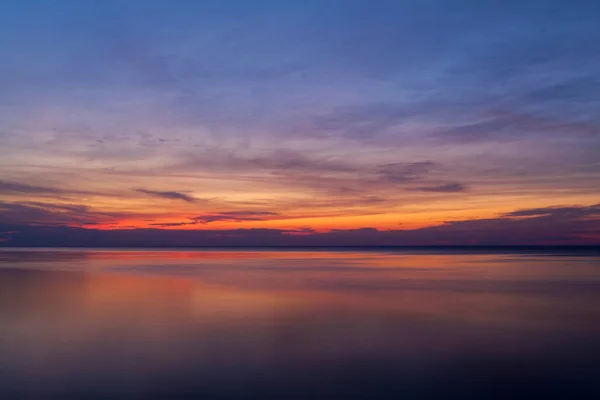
(340, 122)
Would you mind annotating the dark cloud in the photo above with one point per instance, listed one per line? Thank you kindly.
(77, 208)
(45, 213)
(169, 224)
(542, 227)
(405, 172)
(42, 213)
(233, 216)
(563, 212)
(445, 188)
(371, 200)
(168, 195)
(16, 187)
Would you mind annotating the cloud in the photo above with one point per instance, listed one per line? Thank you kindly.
(362, 121)
(511, 125)
(168, 195)
(494, 128)
(405, 172)
(16, 187)
(45, 213)
(286, 159)
(169, 224)
(445, 188)
(278, 160)
(233, 216)
(558, 211)
(229, 216)
(542, 228)
(78, 208)
(53, 214)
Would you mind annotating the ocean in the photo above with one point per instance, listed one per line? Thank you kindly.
(388, 323)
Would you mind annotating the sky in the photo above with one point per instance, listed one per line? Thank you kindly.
(310, 122)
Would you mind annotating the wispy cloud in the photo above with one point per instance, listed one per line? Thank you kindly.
(225, 216)
(17, 187)
(444, 188)
(280, 160)
(557, 211)
(38, 213)
(171, 224)
(234, 216)
(172, 195)
(405, 172)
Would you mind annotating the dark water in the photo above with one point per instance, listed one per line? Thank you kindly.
(114, 324)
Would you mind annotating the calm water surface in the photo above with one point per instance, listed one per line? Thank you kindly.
(136, 324)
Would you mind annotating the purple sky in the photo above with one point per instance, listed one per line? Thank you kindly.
(300, 122)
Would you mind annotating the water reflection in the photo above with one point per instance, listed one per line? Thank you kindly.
(243, 324)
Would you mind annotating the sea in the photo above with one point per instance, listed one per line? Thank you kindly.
(341, 323)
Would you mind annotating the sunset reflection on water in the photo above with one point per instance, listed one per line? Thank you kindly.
(241, 324)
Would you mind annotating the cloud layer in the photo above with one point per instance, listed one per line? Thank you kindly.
(326, 114)
(573, 225)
